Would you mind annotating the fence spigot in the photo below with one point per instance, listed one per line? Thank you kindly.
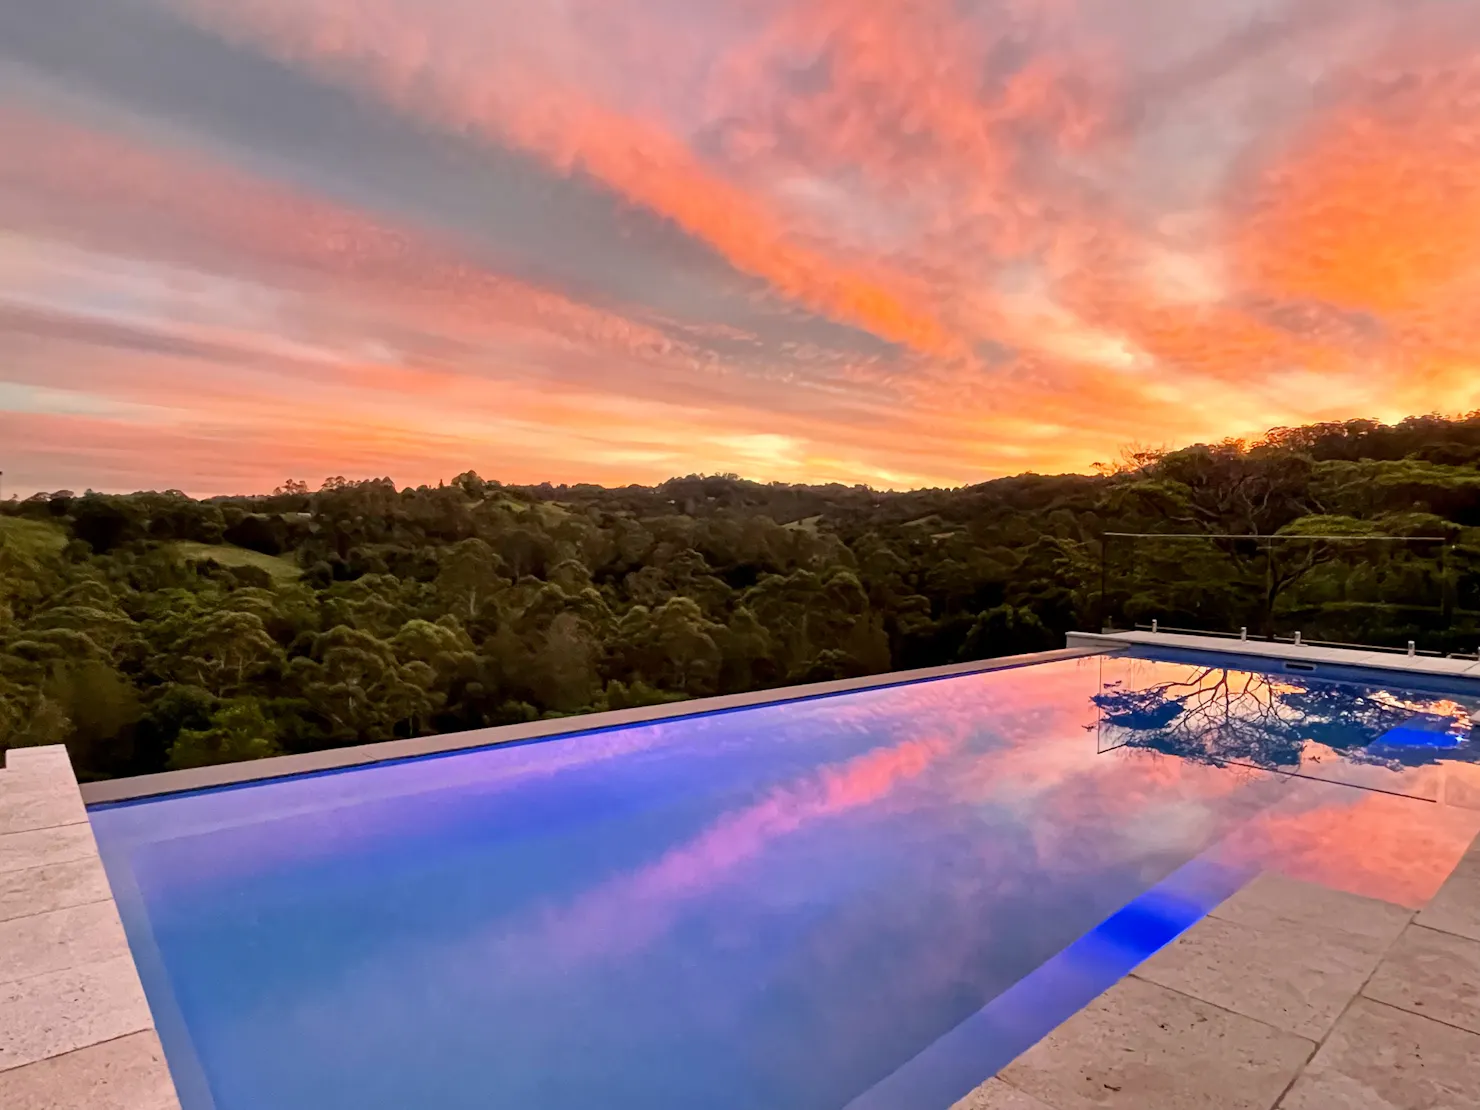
(1412, 648)
(1243, 633)
(1297, 639)
(1153, 626)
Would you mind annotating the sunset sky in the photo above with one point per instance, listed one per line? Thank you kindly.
(898, 242)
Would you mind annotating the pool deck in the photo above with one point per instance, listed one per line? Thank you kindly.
(1287, 995)
(75, 1029)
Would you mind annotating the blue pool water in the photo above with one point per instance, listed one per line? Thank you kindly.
(868, 901)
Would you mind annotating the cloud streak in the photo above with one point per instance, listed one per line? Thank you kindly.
(907, 243)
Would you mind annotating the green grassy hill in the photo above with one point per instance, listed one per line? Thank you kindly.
(228, 555)
(34, 537)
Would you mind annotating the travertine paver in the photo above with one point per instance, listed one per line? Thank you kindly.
(54, 887)
(1381, 1058)
(1434, 974)
(35, 804)
(991, 1095)
(1215, 1019)
(1140, 1046)
(1295, 980)
(61, 1011)
(75, 1028)
(1272, 899)
(1456, 908)
(1288, 953)
(23, 851)
(128, 1073)
(60, 939)
(1462, 786)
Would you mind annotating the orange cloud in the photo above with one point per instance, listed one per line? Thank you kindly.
(1377, 205)
(572, 131)
(1373, 207)
(103, 191)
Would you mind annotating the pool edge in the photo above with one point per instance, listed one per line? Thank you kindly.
(77, 1022)
(950, 1068)
(111, 791)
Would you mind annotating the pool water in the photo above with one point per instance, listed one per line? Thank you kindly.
(867, 900)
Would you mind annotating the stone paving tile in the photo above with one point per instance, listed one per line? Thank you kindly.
(128, 1073)
(54, 941)
(37, 803)
(1140, 1046)
(1379, 1058)
(1473, 854)
(1273, 899)
(991, 1095)
(39, 847)
(47, 1015)
(1283, 974)
(58, 886)
(50, 762)
(1462, 786)
(1456, 908)
(1434, 974)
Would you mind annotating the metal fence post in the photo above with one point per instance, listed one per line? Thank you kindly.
(1269, 590)
(1104, 557)
(1449, 591)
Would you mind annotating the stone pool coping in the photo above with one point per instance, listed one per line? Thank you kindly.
(76, 1032)
(1267, 651)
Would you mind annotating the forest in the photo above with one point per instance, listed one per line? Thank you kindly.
(155, 631)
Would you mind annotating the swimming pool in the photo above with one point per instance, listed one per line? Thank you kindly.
(862, 901)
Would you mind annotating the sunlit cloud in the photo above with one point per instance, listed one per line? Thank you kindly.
(806, 240)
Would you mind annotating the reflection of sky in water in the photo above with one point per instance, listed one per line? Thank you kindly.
(776, 907)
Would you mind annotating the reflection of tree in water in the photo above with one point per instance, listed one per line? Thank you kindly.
(1219, 717)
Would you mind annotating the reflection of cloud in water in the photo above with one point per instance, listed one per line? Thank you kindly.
(288, 822)
(636, 906)
(1378, 845)
(1024, 759)
(799, 893)
(293, 821)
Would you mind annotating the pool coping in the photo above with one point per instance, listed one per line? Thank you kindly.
(334, 759)
(75, 1026)
(1276, 651)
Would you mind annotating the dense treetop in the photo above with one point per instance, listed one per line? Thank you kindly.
(155, 631)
